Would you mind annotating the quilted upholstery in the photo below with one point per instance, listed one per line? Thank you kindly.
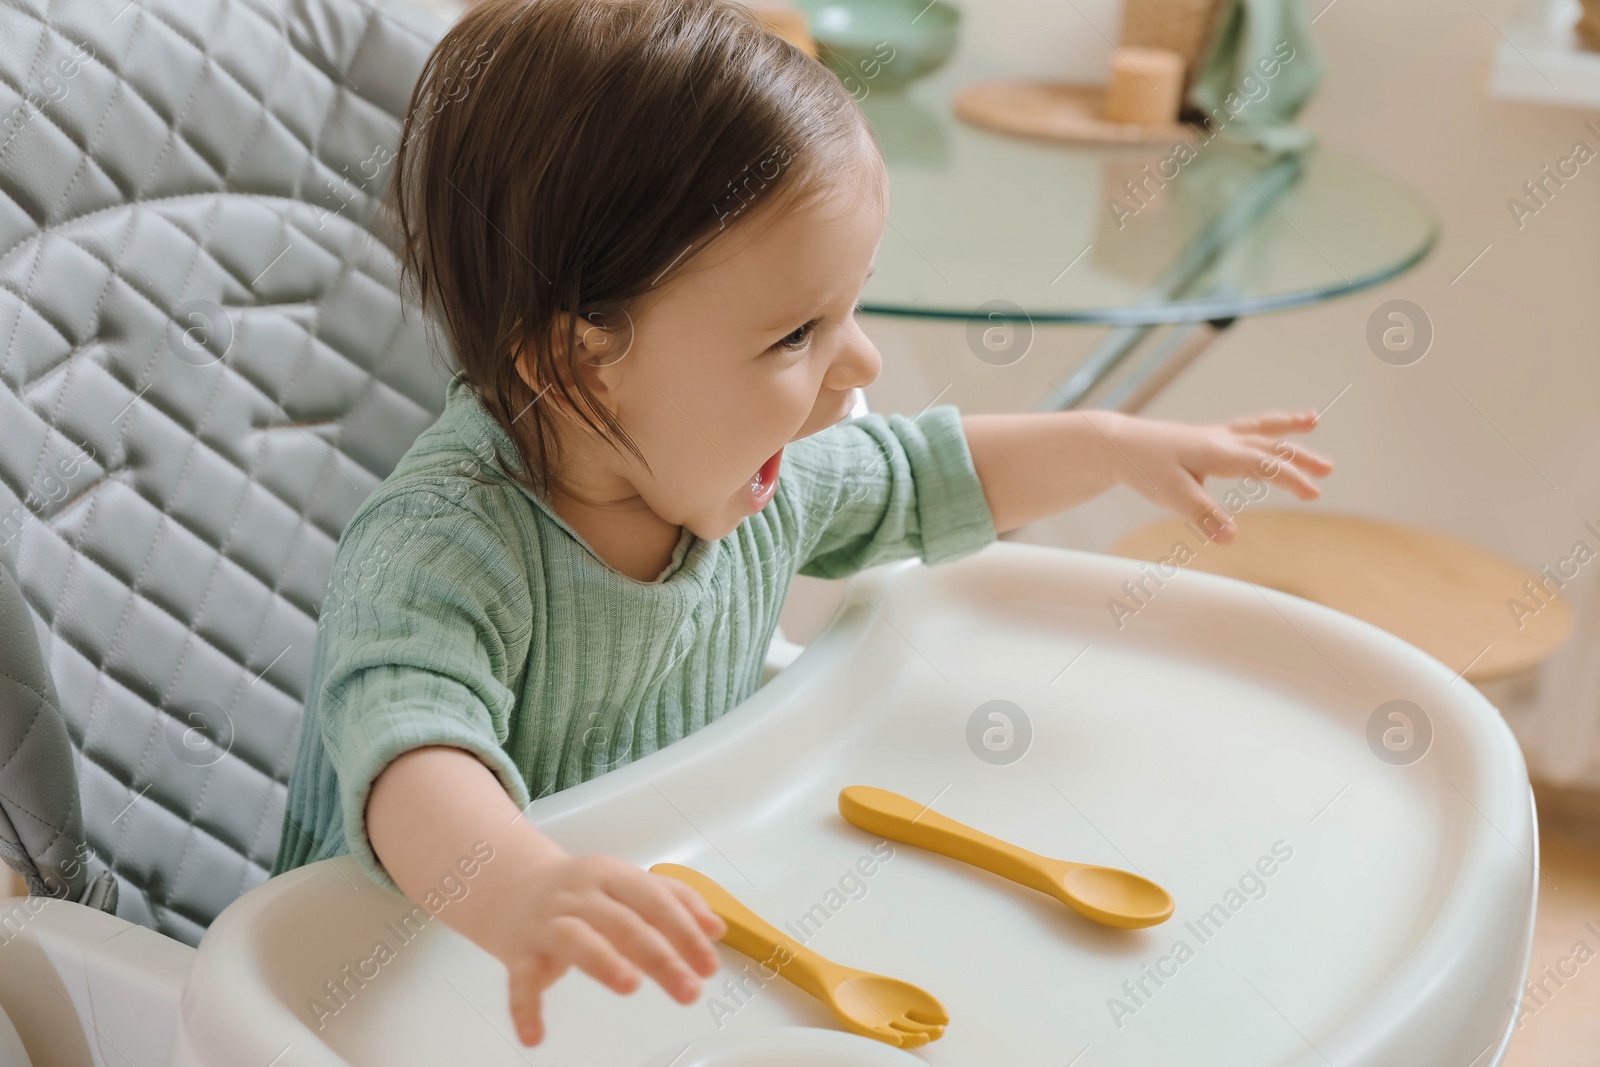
(41, 822)
(203, 372)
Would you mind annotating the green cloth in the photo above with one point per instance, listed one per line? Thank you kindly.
(472, 615)
(1259, 71)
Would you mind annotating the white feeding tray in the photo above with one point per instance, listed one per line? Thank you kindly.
(1339, 900)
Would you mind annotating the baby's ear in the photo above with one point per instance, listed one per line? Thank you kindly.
(600, 342)
(595, 358)
(603, 338)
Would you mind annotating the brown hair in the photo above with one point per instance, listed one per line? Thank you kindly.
(562, 156)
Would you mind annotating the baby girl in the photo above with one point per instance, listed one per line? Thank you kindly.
(643, 227)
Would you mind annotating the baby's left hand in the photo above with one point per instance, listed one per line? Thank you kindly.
(1168, 462)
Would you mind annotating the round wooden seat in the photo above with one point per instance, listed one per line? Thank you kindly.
(1470, 609)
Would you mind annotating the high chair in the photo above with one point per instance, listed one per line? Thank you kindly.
(205, 372)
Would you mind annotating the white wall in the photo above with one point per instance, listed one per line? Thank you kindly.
(1509, 394)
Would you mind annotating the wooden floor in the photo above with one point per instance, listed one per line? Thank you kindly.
(1560, 1025)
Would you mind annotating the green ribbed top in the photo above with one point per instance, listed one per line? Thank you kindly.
(464, 611)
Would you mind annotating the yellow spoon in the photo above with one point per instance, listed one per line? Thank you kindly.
(1107, 895)
(872, 1005)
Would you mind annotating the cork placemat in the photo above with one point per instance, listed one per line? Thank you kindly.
(1056, 111)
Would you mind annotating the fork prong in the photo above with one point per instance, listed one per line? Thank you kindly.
(887, 1035)
(909, 1040)
(911, 1026)
(927, 1017)
(916, 1036)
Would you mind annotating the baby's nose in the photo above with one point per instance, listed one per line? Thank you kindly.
(858, 365)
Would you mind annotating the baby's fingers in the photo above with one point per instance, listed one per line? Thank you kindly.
(708, 921)
(1289, 452)
(1305, 459)
(525, 1012)
(1278, 456)
(1275, 470)
(579, 943)
(528, 981)
(644, 945)
(1273, 424)
(679, 912)
(1188, 497)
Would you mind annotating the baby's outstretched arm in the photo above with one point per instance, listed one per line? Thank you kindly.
(1035, 465)
(535, 908)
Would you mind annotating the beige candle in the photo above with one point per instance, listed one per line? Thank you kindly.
(1146, 86)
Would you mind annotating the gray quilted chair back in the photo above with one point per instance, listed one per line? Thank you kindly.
(204, 370)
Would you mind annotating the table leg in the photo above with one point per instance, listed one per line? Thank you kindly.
(1186, 274)
(1181, 348)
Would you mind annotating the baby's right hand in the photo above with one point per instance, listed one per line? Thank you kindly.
(612, 920)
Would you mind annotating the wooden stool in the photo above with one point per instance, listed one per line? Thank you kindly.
(1450, 599)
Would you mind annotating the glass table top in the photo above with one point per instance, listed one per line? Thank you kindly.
(984, 224)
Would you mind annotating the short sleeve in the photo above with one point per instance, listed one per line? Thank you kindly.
(424, 634)
(879, 488)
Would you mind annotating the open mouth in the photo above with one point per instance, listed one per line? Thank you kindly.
(765, 482)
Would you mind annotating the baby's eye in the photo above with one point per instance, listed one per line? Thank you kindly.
(796, 340)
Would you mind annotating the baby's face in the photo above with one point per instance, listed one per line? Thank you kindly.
(746, 349)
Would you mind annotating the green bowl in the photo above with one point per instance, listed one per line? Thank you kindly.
(882, 44)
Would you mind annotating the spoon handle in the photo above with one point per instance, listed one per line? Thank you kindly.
(900, 818)
(752, 935)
